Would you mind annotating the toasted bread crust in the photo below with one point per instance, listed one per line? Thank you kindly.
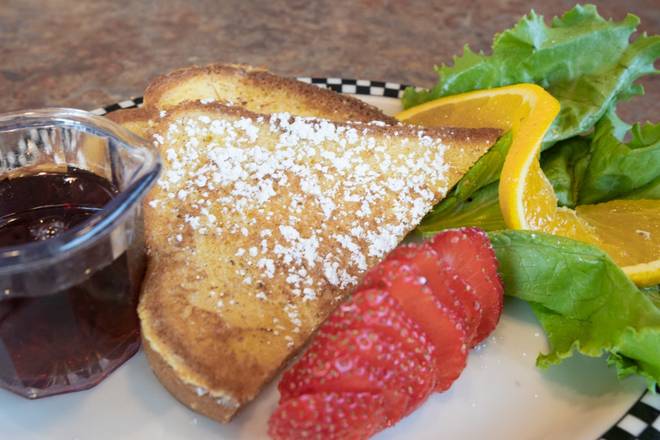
(259, 91)
(189, 357)
(183, 392)
(137, 120)
(215, 362)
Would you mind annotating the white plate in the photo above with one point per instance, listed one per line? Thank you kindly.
(500, 395)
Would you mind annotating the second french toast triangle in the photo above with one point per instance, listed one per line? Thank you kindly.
(261, 224)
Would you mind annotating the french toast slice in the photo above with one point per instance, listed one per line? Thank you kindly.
(258, 91)
(250, 87)
(261, 224)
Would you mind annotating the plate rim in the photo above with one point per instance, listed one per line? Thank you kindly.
(644, 413)
(349, 86)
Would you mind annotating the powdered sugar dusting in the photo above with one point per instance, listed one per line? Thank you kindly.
(302, 203)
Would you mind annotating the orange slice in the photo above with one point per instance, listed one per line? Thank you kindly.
(629, 231)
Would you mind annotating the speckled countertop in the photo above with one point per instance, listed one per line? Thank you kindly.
(89, 54)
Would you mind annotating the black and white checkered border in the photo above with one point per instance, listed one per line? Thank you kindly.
(127, 103)
(641, 422)
(341, 85)
(358, 86)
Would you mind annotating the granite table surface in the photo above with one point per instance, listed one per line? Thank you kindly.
(88, 54)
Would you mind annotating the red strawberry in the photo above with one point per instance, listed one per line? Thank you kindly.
(455, 286)
(469, 253)
(351, 361)
(328, 416)
(377, 310)
(443, 327)
(361, 360)
(401, 336)
(448, 287)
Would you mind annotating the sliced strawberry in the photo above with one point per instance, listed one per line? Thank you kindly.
(361, 360)
(351, 361)
(328, 416)
(456, 287)
(414, 367)
(445, 283)
(378, 310)
(469, 253)
(402, 335)
(443, 327)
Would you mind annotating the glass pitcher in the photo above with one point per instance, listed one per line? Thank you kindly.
(68, 303)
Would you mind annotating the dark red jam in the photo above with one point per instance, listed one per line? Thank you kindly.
(71, 339)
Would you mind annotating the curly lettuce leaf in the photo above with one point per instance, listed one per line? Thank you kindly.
(653, 292)
(586, 87)
(531, 51)
(617, 168)
(650, 191)
(644, 135)
(602, 167)
(583, 300)
(480, 209)
(555, 58)
(564, 166)
(585, 99)
(473, 201)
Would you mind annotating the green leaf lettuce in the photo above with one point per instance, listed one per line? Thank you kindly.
(589, 64)
(583, 60)
(473, 201)
(617, 168)
(583, 301)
